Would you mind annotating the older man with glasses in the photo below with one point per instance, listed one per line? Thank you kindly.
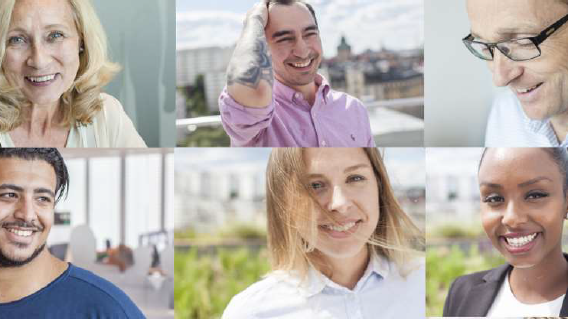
(525, 44)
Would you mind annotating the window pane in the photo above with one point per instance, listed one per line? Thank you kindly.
(105, 200)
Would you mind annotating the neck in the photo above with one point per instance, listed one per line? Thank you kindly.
(543, 282)
(308, 91)
(41, 119)
(19, 282)
(346, 271)
(560, 126)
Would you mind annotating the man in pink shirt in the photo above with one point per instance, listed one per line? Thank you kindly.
(274, 95)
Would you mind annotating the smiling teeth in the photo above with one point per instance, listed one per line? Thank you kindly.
(527, 90)
(340, 228)
(302, 65)
(22, 233)
(41, 78)
(520, 241)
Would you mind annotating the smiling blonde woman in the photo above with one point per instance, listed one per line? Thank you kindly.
(339, 242)
(54, 62)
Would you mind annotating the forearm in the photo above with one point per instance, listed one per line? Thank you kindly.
(249, 75)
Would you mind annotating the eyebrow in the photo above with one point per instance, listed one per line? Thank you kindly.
(277, 34)
(523, 184)
(504, 32)
(39, 190)
(346, 170)
(534, 181)
(51, 26)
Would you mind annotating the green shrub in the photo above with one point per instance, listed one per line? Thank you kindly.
(444, 265)
(204, 285)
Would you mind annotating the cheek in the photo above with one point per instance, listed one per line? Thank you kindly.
(12, 62)
(490, 220)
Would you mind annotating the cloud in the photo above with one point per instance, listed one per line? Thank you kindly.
(197, 29)
(367, 24)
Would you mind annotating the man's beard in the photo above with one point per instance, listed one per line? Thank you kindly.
(7, 262)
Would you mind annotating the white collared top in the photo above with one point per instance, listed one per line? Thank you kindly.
(380, 293)
(509, 126)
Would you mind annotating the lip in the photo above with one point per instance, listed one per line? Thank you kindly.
(514, 250)
(341, 234)
(530, 96)
(16, 239)
(41, 84)
(306, 68)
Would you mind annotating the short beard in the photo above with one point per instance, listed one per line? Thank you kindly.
(7, 262)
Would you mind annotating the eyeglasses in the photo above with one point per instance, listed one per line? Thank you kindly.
(521, 49)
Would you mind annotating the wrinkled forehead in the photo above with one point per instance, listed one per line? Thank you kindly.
(504, 19)
(28, 14)
(294, 17)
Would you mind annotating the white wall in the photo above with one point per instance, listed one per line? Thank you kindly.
(458, 86)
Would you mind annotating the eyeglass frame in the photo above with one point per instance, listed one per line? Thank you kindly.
(536, 40)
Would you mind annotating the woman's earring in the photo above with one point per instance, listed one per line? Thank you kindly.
(81, 49)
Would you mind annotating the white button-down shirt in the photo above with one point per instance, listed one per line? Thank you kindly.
(509, 126)
(380, 293)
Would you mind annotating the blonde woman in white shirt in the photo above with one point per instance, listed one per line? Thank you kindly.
(54, 64)
(340, 244)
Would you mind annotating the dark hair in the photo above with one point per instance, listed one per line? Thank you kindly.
(49, 155)
(290, 2)
(558, 154)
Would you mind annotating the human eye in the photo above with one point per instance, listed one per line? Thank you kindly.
(536, 195)
(355, 178)
(15, 40)
(287, 39)
(8, 195)
(310, 34)
(316, 185)
(493, 199)
(55, 35)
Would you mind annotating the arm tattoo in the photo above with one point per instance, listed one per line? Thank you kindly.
(251, 61)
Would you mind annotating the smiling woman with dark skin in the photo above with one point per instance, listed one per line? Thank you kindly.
(524, 202)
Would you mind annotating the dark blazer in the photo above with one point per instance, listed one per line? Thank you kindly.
(472, 295)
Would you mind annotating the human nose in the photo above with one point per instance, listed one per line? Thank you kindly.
(339, 201)
(39, 56)
(301, 49)
(513, 216)
(504, 69)
(25, 210)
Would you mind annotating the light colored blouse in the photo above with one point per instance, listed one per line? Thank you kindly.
(111, 127)
(380, 293)
(507, 305)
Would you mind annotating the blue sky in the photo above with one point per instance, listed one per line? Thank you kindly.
(367, 24)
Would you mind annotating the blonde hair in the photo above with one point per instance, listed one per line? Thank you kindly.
(82, 100)
(288, 196)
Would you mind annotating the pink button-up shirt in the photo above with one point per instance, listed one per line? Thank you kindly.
(336, 119)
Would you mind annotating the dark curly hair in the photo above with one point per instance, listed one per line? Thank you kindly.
(49, 155)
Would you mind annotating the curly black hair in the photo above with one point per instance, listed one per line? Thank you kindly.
(49, 155)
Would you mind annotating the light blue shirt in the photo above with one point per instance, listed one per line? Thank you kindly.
(509, 126)
(380, 293)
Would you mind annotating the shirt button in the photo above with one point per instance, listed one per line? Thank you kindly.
(323, 143)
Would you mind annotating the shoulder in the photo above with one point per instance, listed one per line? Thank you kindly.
(261, 295)
(488, 281)
(100, 292)
(344, 99)
(111, 105)
(112, 126)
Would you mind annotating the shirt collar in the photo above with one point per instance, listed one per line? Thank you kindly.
(317, 282)
(290, 95)
(541, 127)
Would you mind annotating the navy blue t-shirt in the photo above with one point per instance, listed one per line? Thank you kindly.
(77, 293)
